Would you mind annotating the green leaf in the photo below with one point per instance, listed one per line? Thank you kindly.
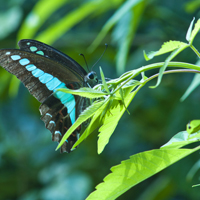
(165, 48)
(181, 139)
(136, 169)
(193, 126)
(84, 92)
(196, 185)
(195, 31)
(71, 19)
(94, 123)
(122, 99)
(188, 35)
(193, 85)
(110, 122)
(113, 20)
(125, 32)
(104, 81)
(192, 6)
(86, 114)
(169, 58)
(37, 17)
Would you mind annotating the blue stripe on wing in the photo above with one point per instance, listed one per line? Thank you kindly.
(52, 83)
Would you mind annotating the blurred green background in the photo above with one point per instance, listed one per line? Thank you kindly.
(29, 166)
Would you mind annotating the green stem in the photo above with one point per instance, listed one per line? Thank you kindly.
(195, 50)
(132, 74)
(136, 72)
(172, 72)
(156, 75)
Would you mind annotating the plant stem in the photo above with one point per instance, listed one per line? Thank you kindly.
(172, 72)
(195, 50)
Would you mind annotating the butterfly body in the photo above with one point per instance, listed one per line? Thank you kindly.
(43, 70)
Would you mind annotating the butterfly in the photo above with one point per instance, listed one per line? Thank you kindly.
(44, 69)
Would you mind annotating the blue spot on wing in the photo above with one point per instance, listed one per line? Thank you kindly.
(24, 61)
(45, 78)
(40, 53)
(51, 85)
(32, 48)
(69, 101)
(37, 72)
(15, 57)
(31, 67)
(71, 109)
(62, 85)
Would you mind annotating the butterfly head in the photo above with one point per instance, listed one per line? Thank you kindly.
(91, 79)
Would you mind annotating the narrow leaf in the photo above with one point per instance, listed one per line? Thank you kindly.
(38, 16)
(104, 81)
(195, 31)
(84, 92)
(124, 34)
(57, 29)
(136, 169)
(86, 114)
(188, 35)
(113, 20)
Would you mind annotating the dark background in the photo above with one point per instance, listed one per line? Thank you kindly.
(30, 168)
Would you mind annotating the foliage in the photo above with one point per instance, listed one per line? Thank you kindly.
(155, 115)
(114, 104)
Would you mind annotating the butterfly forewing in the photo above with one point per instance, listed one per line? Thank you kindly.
(52, 53)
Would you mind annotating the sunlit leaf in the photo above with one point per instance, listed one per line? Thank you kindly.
(136, 169)
(110, 122)
(166, 48)
(181, 139)
(94, 123)
(86, 114)
(169, 58)
(84, 92)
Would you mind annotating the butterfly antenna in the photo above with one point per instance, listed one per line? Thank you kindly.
(100, 56)
(85, 60)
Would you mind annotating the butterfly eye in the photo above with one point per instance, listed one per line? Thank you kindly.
(91, 76)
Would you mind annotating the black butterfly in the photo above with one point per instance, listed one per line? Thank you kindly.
(44, 69)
